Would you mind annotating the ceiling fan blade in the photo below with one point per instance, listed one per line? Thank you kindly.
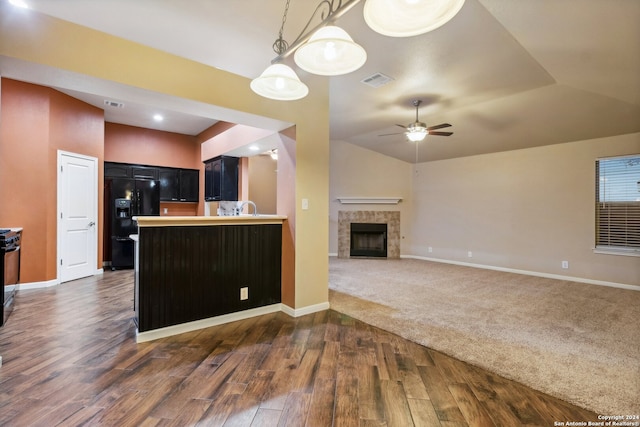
(387, 134)
(441, 133)
(440, 126)
(402, 126)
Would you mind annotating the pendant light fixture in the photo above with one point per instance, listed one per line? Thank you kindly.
(406, 18)
(279, 81)
(330, 52)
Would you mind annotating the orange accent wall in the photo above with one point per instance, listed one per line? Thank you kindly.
(130, 144)
(178, 209)
(36, 122)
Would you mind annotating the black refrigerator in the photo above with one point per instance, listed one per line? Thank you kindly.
(129, 198)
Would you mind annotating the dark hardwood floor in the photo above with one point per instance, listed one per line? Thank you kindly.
(70, 358)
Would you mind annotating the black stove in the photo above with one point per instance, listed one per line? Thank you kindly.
(9, 269)
(9, 239)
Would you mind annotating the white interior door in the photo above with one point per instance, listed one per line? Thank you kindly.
(77, 216)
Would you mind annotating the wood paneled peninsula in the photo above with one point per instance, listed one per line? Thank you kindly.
(193, 272)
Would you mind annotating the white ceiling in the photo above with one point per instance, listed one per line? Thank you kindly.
(506, 74)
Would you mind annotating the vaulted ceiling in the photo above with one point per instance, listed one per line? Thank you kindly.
(506, 74)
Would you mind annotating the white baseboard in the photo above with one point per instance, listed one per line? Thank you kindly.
(47, 283)
(37, 285)
(531, 273)
(293, 312)
(227, 318)
(205, 323)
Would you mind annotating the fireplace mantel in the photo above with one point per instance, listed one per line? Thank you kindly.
(369, 200)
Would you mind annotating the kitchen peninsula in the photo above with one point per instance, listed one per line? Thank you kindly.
(197, 271)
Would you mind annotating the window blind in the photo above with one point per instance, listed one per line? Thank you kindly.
(618, 203)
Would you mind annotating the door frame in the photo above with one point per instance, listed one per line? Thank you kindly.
(94, 210)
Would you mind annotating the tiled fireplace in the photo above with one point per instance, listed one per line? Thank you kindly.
(391, 218)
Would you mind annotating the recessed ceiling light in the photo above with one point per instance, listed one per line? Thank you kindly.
(158, 117)
(254, 147)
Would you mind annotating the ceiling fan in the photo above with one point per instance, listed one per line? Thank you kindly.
(418, 130)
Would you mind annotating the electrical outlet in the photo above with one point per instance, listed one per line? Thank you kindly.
(166, 211)
(565, 264)
(430, 249)
(305, 204)
(470, 254)
(244, 294)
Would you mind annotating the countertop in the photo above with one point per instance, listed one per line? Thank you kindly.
(169, 221)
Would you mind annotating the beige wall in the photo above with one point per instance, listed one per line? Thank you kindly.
(525, 209)
(357, 172)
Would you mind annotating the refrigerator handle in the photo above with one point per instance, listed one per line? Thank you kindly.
(134, 202)
(139, 202)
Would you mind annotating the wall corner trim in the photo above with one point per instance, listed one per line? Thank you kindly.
(297, 312)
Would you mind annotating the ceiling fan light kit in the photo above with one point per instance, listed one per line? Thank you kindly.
(328, 50)
(416, 132)
(406, 18)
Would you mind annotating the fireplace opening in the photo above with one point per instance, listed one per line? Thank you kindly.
(368, 240)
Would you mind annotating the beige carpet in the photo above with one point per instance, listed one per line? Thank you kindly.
(575, 341)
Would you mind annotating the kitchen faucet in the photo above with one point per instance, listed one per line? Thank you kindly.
(249, 202)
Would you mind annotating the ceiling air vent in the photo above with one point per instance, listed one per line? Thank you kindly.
(113, 104)
(377, 80)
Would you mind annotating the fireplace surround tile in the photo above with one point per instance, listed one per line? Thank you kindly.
(391, 218)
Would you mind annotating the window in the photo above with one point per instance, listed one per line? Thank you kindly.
(618, 205)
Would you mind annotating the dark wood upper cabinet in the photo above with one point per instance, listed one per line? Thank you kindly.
(189, 185)
(144, 172)
(169, 184)
(176, 185)
(117, 170)
(221, 178)
(179, 185)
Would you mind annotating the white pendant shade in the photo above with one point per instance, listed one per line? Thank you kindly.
(330, 52)
(405, 18)
(279, 82)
